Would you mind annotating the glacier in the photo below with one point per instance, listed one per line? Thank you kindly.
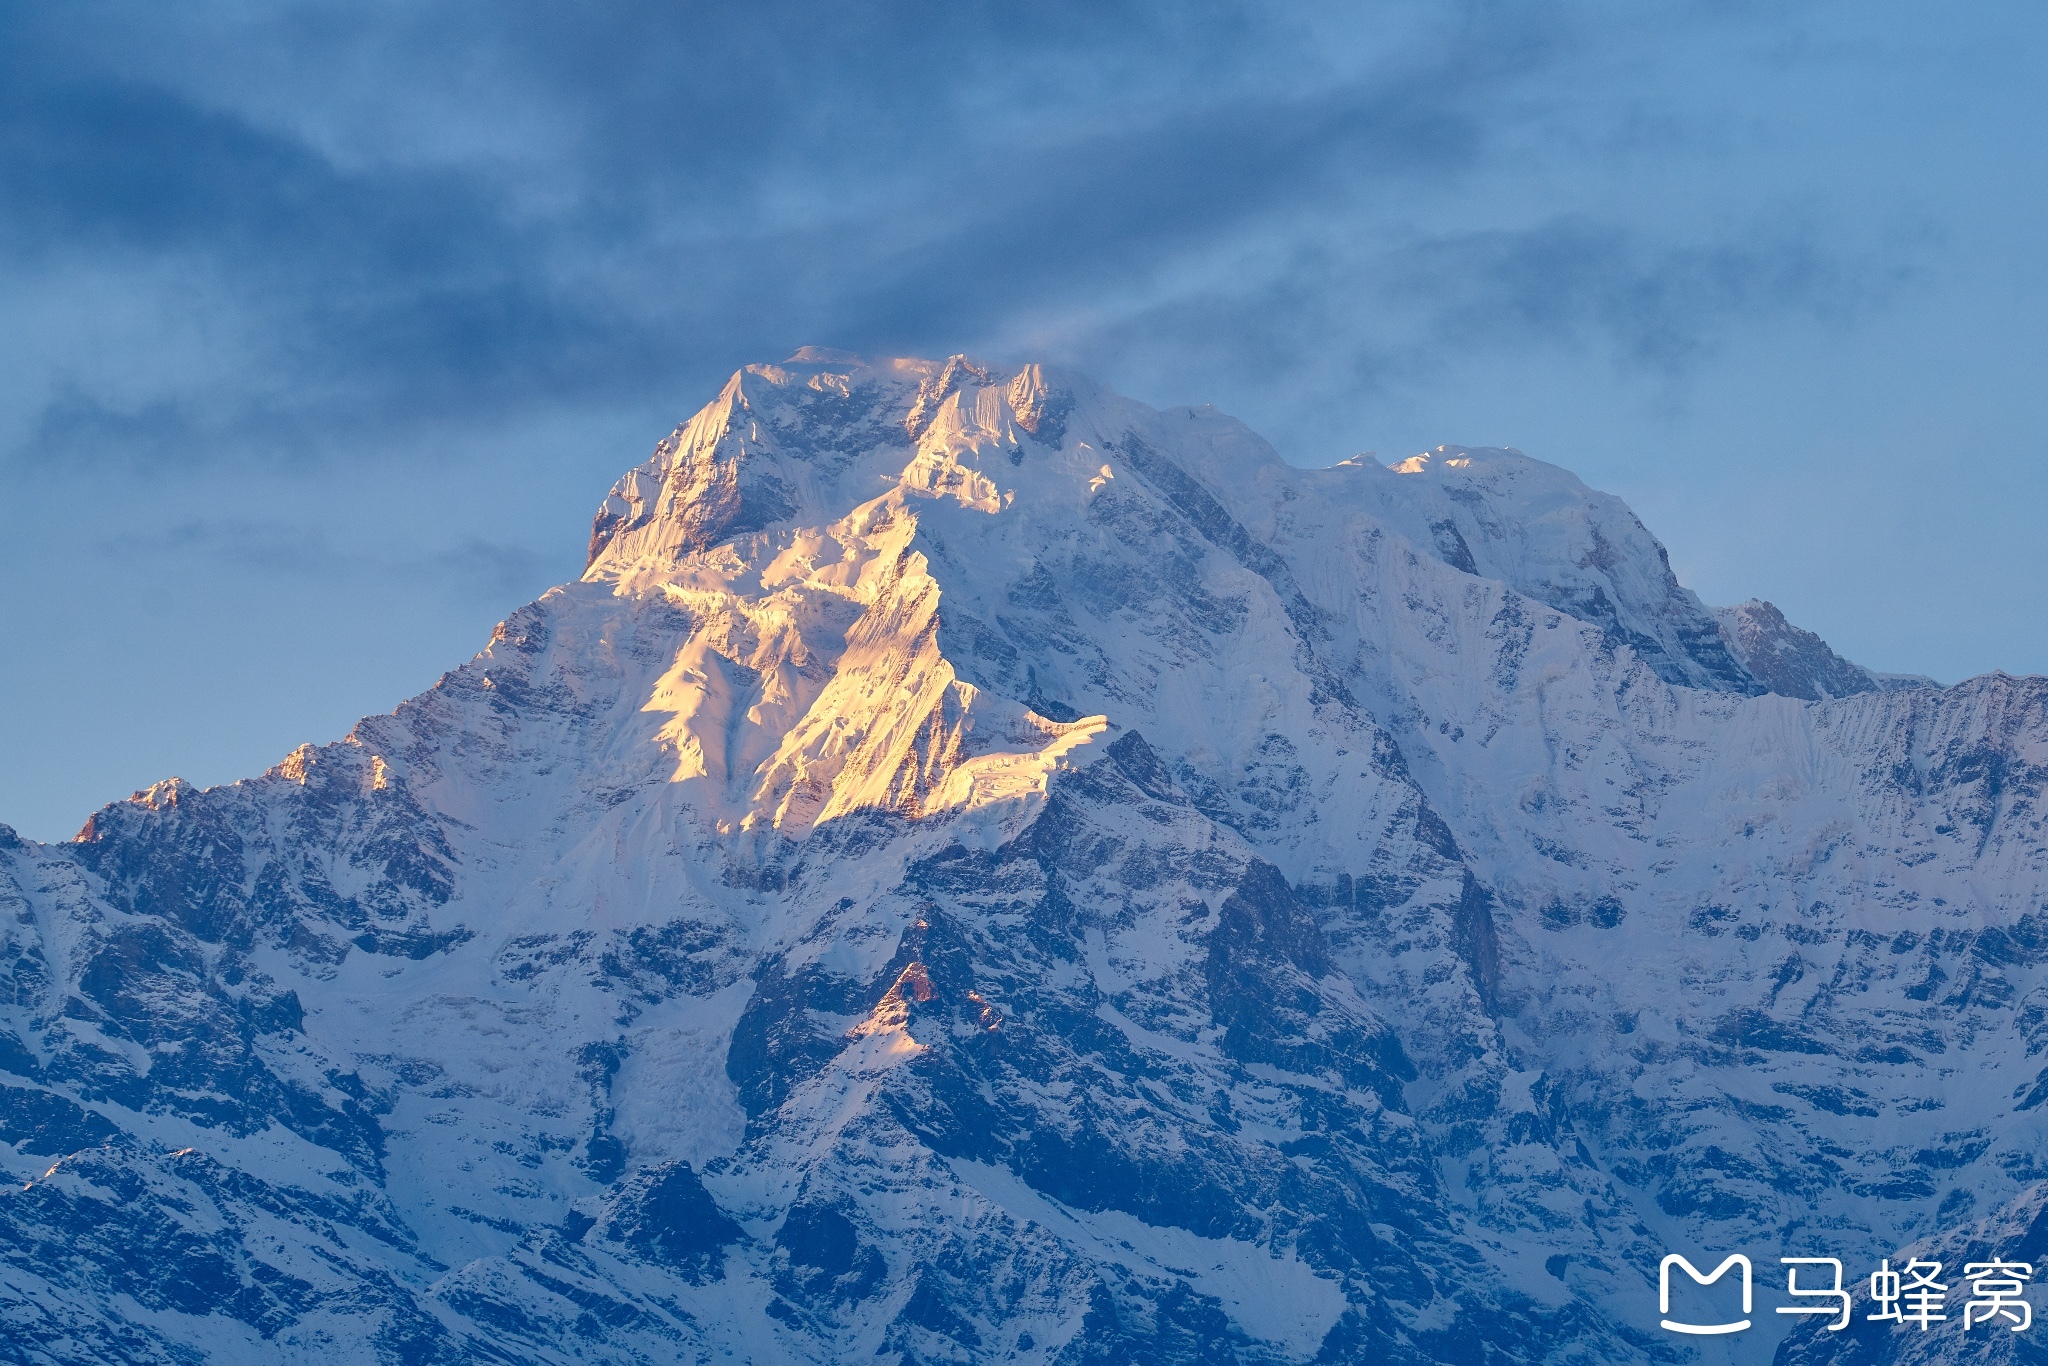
(980, 869)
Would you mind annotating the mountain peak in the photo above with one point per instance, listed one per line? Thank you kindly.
(1451, 458)
(818, 435)
(813, 438)
(1787, 660)
(1494, 512)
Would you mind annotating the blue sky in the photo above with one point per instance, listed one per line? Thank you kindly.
(327, 326)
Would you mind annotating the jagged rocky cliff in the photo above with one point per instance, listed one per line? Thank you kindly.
(982, 870)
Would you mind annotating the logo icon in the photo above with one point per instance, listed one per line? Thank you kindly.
(1703, 1329)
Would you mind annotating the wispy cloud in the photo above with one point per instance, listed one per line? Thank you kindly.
(415, 216)
(470, 568)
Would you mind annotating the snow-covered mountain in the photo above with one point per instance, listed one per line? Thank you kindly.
(979, 869)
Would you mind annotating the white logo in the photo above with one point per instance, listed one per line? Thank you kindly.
(1912, 1296)
(1664, 1293)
